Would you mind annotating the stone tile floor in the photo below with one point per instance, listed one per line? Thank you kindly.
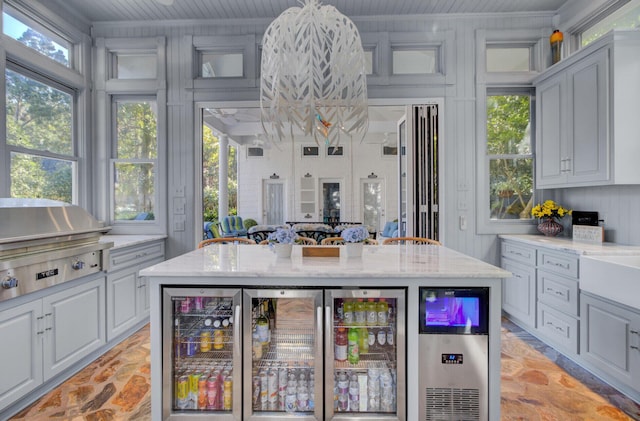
(537, 384)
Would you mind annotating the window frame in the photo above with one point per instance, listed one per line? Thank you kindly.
(494, 84)
(71, 79)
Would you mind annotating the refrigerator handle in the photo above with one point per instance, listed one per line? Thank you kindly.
(319, 331)
(236, 330)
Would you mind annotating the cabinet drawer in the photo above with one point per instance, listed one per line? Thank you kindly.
(557, 262)
(558, 327)
(518, 253)
(558, 292)
(130, 256)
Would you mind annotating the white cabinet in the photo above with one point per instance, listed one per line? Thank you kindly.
(585, 131)
(43, 337)
(519, 290)
(127, 292)
(610, 341)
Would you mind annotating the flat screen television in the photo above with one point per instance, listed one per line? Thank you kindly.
(454, 310)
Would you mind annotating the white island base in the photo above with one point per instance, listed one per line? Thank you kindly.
(402, 267)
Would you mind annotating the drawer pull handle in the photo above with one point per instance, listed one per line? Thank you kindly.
(556, 264)
(516, 253)
(635, 332)
(634, 347)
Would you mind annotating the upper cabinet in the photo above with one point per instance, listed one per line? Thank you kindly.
(586, 128)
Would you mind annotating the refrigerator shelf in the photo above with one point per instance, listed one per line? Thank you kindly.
(370, 360)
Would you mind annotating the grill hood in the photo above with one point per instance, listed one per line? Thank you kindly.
(38, 219)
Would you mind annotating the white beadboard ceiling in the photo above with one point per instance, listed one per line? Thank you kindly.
(153, 10)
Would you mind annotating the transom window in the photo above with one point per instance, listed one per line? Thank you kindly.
(508, 59)
(627, 17)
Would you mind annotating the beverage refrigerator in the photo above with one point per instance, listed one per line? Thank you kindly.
(202, 354)
(283, 358)
(365, 354)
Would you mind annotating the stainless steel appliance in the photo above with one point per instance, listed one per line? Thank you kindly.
(283, 354)
(372, 384)
(453, 347)
(201, 355)
(45, 243)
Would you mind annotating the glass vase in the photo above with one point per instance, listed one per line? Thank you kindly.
(550, 227)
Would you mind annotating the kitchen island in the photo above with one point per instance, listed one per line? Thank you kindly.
(404, 267)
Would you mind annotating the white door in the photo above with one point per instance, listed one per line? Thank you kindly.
(331, 199)
(273, 209)
(373, 199)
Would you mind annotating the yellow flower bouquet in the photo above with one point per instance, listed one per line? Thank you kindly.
(549, 209)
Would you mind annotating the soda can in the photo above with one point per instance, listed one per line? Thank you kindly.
(218, 339)
(282, 379)
(185, 305)
(182, 392)
(205, 341)
(198, 303)
(227, 394)
(256, 391)
(192, 346)
(202, 392)
(272, 386)
(264, 387)
(194, 377)
(213, 393)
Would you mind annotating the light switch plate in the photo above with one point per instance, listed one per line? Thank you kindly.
(588, 233)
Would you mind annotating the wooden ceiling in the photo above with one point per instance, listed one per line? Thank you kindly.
(150, 10)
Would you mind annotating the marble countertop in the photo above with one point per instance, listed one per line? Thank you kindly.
(120, 241)
(398, 261)
(578, 247)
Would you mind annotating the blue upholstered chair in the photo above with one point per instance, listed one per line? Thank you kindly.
(390, 229)
(211, 231)
(232, 226)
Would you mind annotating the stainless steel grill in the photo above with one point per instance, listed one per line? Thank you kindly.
(45, 242)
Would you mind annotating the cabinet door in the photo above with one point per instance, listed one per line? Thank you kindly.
(551, 155)
(122, 302)
(588, 134)
(609, 339)
(519, 293)
(21, 329)
(74, 322)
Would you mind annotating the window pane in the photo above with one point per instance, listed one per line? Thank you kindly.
(368, 62)
(41, 177)
(221, 65)
(508, 59)
(28, 36)
(134, 191)
(136, 66)
(136, 130)
(38, 116)
(511, 188)
(414, 62)
(508, 128)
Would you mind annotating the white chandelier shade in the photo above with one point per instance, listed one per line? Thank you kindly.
(313, 76)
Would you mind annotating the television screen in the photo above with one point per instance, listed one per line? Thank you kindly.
(450, 310)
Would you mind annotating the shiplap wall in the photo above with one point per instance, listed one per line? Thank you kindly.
(457, 137)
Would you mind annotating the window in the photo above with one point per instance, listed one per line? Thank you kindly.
(627, 17)
(335, 151)
(310, 151)
(33, 36)
(508, 59)
(414, 62)
(136, 66)
(134, 160)
(39, 127)
(255, 151)
(509, 155)
(217, 65)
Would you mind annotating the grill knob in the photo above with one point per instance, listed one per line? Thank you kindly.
(77, 265)
(9, 282)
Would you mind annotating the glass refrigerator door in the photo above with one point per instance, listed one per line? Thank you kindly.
(365, 354)
(282, 374)
(201, 354)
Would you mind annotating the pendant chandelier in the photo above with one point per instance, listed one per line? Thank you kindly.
(313, 77)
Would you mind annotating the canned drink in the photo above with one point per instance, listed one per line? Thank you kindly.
(194, 378)
(282, 379)
(182, 392)
(272, 386)
(197, 303)
(213, 393)
(205, 341)
(264, 388)
(256, 391)
(202, 392)
(192, 346)
(185, 305)
(218, 339)
(227, 394)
